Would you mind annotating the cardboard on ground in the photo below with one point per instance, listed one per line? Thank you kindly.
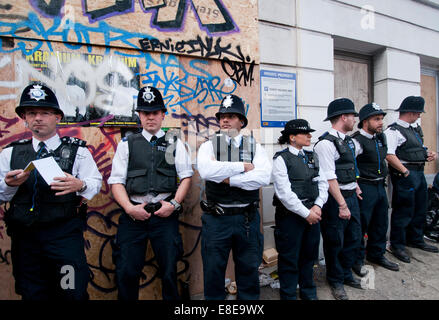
(47, 167)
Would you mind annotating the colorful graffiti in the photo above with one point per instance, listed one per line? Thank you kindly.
(95, 63)
(213, 18)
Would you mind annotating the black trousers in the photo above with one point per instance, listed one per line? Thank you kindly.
(409, 208)
(374, 212)
(297, 243)
(341, 239)
(49, 263)
(129, 254)
(219, 235)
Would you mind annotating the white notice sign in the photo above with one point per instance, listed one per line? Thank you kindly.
(278, 98)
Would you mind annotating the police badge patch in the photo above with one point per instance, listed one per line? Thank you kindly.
(37, 93)
(148, 96)
(376, 107)
(228, 102)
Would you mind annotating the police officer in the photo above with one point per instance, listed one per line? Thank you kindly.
(144, 183)
(371, 146)
(406, 156)
(300, 192)
(340, 225)
(46, 222)
(234, 167)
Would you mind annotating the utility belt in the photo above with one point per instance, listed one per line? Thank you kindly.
(281, 211)
(371, 181)
(410, 166)
(414, 166)
(308, 203)
(213, 208)
(153, 207)
(14, 223)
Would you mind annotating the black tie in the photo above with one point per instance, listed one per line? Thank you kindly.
(42, 151)
(302, 155)
(153, 140)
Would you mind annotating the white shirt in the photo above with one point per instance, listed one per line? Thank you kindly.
(395, 137)
(282, 187)
(84, 168)
(328, 154)
(216, 171)
(119, 168)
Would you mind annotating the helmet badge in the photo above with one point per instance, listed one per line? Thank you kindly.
(37, 93)
(228, 102)
(376, 107)
(148, 96)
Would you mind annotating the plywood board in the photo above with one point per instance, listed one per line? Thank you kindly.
(206, 28)
(192, 89)
(429, 119)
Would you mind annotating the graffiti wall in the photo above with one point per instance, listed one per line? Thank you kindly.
(96, 57)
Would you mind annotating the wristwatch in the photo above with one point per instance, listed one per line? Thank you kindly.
(84, 187)
(406, 173)
(176, 204)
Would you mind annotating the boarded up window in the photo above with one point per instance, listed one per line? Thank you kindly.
(429, 118)
(352, 78)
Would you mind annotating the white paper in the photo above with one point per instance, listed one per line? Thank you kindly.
(48, 169)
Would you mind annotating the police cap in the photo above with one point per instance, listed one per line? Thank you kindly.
(38, 95)
(369, 110)
(340, 106)
(412, 104)
(296, 126)
(232, 104)
(150, 99)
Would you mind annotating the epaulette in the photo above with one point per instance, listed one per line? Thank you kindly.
(355, 134)
(323, 135)
(74, 141)
(18, 142)
(392, 126)
(277, 154)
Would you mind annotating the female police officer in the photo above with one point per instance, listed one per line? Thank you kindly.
(300, 192)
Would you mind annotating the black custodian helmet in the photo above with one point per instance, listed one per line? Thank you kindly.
(340, 106)
(150, 99)
(233, 104)
(369, 110)
(412, 104)
(37, 95)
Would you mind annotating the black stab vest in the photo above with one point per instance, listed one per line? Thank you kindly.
(371, 163)
(345, 166)
(301, 176)
(48, 208)
(148, 168)
(223, 192)
(412, 150)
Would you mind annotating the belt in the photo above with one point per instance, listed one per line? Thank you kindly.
(414, 166)
(217, 210)
(347, 193)
(153, 207)
(369, 181)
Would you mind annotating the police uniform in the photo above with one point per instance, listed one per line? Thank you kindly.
(298, 186)
(371, 154)
(47, 230)
(141, 165)
(231, 219)
(409, 198)
(341, 237)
